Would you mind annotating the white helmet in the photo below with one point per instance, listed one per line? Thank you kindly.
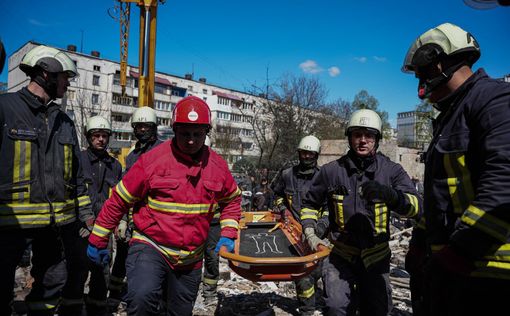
(207, 141)
(98, 123)
(49, 59)
(366, 119)
(310, 143)
(447, 40)
(144, 114)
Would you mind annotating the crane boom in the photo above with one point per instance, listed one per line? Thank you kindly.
(147, 48)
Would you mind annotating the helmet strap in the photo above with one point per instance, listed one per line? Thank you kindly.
(425, 88)
(49, 84)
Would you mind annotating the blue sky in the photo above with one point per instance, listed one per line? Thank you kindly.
(348, 45)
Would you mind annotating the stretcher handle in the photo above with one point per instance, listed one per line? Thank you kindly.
(323, 252)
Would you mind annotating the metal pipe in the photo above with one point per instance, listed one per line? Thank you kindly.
(146, 43)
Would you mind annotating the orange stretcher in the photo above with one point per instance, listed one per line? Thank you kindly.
(269, 247)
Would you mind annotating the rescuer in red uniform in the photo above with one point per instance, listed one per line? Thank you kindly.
(174, 190)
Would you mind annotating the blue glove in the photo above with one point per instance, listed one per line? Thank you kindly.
(225, 241)
(101, 257)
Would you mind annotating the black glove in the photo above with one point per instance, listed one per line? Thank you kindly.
(373, 191)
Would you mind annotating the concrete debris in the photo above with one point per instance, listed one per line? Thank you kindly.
(238, 296)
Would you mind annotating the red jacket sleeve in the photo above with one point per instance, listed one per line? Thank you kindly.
(229, 202)
(132, 188)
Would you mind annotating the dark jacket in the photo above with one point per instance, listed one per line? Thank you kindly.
(290, 189)
(41, 180)
(138, 150)
(467, 175)
(101, 172)
(359, 229)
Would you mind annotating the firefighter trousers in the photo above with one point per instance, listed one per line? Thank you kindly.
(349, 287)
(306, 291)
(50, 246)
(79, 265)
(211, 262)
(147, 271)
(117, 285)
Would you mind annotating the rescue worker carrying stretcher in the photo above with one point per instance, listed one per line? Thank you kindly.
(361, 189)
(290, 189)
(174, 190)
(43, 198)
(467, 176)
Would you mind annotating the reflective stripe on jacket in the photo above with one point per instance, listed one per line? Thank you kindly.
(467, 176)
(174, 202)
(41, 181)
(359, 228)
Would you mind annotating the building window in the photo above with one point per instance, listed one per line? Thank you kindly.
(95, 80)
(97, 68)
(204, 91)
(118, 99)
(95, 98)
(190, 88)
(71, 94)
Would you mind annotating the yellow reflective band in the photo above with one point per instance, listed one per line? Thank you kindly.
(21, 170)
(100, 231)
(487, 223)
(84, 200)
(45, 305)
(421, 223)
(124, 193)
(229, 223)
(68, 161)
(210, 281)
(174, 255)
(307, 293)
(375, 254)
(217, 213)
(181, 208)
(436, 248)
(279, 201)
(414, 209)
(492, 269)
(308, 213)
(459, 181)
(232, 196)
(71, 301)
(381, 218)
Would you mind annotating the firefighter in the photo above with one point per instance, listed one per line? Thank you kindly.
(467, 177)
(145, 128)
(211, 257)
(290, 189)
(361, 189)
(174, 190)
(43, 198)
(101, 172)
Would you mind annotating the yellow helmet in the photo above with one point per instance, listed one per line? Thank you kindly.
(364, 118)
(144, 114)
(49, 59)
(98, 123)
(444, 40)
(310, 143)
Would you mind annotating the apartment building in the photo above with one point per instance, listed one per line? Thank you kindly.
(97, 91)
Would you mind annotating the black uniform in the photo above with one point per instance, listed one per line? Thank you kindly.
(101, 173)
(42, 193)
(119, 266)
(467, 200)
(290, 189)
(359, 231)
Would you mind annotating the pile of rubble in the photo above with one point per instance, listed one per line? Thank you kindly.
(238, 296)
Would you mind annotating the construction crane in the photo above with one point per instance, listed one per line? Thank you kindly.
(147, 47)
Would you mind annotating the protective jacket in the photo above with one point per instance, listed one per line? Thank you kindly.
(174, 199)
(359, 229)
(101, 172)
(41, 181)
(291, 189)
(467, 176)
(137, 150)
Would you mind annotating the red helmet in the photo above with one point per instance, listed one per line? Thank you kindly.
(192, 110)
